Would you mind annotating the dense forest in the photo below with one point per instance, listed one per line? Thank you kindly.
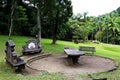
(57, 21)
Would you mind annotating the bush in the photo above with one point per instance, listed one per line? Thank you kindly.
(75, 39)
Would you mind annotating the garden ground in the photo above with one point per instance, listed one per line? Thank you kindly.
(105, 50)
(61, 64)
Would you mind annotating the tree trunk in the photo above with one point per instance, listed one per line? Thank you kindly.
(100, 34)
(11, 16)
(38, 24)
(107, 34)
(55, 33)
(54, 40)
(92, 35)
(55, 29)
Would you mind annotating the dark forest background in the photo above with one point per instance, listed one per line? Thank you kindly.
(58, 21)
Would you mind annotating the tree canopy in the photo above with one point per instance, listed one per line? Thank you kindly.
(104, 28)
(53, 16)
(56, 21)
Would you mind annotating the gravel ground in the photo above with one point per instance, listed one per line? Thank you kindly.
(61, 64)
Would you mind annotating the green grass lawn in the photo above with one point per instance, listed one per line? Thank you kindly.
(106, 50)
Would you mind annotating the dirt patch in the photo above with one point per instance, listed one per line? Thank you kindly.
(87, 64)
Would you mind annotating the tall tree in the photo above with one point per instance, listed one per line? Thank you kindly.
(11, 17)
(38, 5)
(62, 12)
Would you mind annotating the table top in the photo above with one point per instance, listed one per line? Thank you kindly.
(73, 52)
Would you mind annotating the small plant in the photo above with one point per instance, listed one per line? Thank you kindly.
(75, 39)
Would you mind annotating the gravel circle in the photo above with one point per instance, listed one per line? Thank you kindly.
(61, 64)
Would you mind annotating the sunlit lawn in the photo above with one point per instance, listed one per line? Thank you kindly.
(6, 73)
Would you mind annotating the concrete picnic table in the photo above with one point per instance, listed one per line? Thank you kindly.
(73, 54)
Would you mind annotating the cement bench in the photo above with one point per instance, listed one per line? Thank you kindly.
(87, 49)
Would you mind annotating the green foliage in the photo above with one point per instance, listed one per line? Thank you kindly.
(98, 35)
(62, 11)
(25, 18)
(20, 20)
(81, 27)
(4, 17)
(54, 15)
(109, 26)
(55, 22)
(105, 28)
